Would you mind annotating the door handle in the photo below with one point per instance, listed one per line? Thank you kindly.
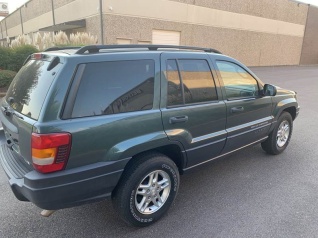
(237, 109)
(178, 119)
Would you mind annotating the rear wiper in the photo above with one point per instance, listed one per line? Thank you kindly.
(8, 113)
(10, 100)
(5, 111)
(18, 116)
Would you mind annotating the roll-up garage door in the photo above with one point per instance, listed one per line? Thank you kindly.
(160, 37)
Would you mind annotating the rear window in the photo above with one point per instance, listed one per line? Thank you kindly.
(29, 88)
(115, 87)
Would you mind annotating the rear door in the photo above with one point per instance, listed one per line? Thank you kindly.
(21, 106)
(248, 113)
(112, 110)
(191, 110)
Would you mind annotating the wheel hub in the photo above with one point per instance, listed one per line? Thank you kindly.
(152, 192)
(283, 133)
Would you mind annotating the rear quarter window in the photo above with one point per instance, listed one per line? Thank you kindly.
(115, 87)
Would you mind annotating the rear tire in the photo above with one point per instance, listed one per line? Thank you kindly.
(146, 190)
(279, 138)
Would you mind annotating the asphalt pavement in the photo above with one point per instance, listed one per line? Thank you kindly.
(247, 194)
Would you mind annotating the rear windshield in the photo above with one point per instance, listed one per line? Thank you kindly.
(29, 88)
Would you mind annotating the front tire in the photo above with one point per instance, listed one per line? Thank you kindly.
(279, 138)
(147, 189)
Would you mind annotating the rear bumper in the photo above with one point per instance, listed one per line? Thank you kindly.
(66, 188)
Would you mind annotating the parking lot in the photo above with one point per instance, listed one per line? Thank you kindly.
(246, 194)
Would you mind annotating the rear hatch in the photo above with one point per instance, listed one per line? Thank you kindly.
(21, 108)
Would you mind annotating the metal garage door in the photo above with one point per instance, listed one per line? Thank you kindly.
(123, 41)
(160, 37)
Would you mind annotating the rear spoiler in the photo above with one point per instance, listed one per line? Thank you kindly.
(37, 56)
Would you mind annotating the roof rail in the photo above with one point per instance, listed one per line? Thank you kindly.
(62, 48)
(96, 48)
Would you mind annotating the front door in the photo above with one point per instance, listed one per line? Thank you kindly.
(191, 110)
(248, 113)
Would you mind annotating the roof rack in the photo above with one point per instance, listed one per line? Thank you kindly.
(97, 48)
(62, 48)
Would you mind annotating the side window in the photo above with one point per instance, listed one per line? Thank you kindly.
(174, 84)
(115, 87)
(237, 81)
(197, 82)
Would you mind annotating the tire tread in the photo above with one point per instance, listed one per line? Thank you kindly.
(119, 200)
(269, 146)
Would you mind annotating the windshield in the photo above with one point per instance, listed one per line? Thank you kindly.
(29, 88)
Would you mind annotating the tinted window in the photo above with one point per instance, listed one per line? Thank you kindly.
(30, 87)
(115, 87)
(197, 80)
(174, 86)
(237, 81)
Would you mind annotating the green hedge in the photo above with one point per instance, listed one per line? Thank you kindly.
(6, 77)
(5, 54)
(19, 55)
(12, 59)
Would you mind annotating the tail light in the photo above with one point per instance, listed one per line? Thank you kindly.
(50, 152)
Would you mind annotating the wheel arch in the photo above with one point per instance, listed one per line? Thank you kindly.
(172, 151)
(291, 110)
(287, 105)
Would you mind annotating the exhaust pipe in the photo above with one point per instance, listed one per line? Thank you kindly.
(47, 213)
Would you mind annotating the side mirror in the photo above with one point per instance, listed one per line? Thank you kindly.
(269, 90)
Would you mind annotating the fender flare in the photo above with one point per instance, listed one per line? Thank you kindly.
(129, 148)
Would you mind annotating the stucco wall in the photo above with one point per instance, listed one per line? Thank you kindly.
(252, 48)
(257, 32)
(3, 33)
(283, 10)
(93, 26)
(60, 3)
(13, 19)
(309, 53)
(35, 8)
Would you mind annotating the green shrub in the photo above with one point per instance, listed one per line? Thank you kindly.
(19, 55)
(6, 77)
(5, 57)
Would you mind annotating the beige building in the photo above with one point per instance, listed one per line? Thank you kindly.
(257, 32)
(309, 53)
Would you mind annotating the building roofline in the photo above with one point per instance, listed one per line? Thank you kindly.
(16, 10)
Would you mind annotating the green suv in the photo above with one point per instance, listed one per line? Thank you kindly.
(85, 124)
